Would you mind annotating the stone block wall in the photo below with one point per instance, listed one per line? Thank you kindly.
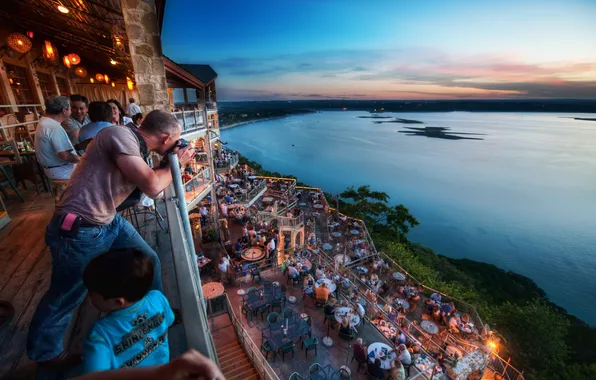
(144, 42)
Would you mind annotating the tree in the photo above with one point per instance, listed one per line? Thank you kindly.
(536, 334)
(384, 221)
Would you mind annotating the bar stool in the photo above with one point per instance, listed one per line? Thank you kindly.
(57, 187)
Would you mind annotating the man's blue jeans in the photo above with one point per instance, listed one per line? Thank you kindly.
(70, 256)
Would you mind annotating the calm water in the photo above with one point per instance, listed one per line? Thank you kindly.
(524, 198)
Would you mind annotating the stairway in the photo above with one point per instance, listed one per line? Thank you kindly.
(234, 363)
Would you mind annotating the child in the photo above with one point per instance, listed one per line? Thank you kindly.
(134, 333)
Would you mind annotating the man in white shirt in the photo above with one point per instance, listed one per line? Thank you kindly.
(132, 109)
(404, 355)
(204, 212)
(53, 148)
(271, 253)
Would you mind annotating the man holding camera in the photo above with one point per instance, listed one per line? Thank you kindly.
(86, 223)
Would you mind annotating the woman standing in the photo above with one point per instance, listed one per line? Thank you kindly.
(118, 117)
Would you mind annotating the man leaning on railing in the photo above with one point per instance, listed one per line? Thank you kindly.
(86, 223)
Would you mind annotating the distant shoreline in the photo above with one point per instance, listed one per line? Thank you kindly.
(251, 121)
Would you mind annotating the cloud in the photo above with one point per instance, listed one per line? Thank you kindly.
(403, 73)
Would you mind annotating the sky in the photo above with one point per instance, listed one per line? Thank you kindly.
(381, 49)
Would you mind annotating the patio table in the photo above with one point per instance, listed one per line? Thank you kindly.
(318, 206)
(355, 232)
(232, 186)
(212, 290)
(295, 328)
(253, 254)
(327, 247)
(336, 234)
(376, 350)
(399, 276)
(342, 259)
(430, 327)
(330, 284)
(343, 311)
(255, 301)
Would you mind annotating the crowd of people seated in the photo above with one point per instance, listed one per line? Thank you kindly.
(68, 126)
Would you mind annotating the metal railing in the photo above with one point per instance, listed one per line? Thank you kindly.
(188, 280)
(197, 186)
(250, 196)
(9, 122)
(504, 368)
(191, 121)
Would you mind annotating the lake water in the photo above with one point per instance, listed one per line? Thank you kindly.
(524, 198)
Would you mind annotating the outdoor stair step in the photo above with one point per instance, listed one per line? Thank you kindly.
(226, 346)
(249, 372)
(232, 360)
(240, 369)
(229, 351)
(254, 376)
(230, 364)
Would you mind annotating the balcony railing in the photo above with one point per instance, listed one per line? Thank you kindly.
(191, 121)
(251, 196)
(226, 165)
(188, 280)
(198, 187)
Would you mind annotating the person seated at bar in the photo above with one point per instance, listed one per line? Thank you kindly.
(375, 370)
(118, 117)
(100, 114)
(119, 284)
(322, 293)
(79, 105)
(53, 148)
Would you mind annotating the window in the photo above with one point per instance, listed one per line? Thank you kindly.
(178, 94)
(17, 77)
(45, 83)
(62, 86)
(191, 95)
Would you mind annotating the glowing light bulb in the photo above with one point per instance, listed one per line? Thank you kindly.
(63, 9)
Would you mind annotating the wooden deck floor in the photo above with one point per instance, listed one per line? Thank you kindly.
(25, 272)
(25, 264)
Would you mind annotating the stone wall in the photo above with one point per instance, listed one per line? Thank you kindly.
(144, 43)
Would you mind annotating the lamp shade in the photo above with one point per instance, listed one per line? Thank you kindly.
(19, 42)
(49, 52)
(99, 77)
(74, 59)
(80, 72)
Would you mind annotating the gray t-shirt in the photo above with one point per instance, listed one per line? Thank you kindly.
(97, 186)
(51, 138)
(72, 125)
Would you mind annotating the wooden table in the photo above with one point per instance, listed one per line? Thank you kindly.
(203, 262)
(253, 254)
(212, 290)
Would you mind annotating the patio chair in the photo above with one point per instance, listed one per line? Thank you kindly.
(246, 310)
(254, 273)
(288, 313)
(360, 360)
(344, 373)
(320, 302)
(266, 348)
(273, 318)
(267, 287)
(295, 376)
(262, 310)
(287, 348)
(310, 344)
(314, 368)
(346, 336)
(295, 281)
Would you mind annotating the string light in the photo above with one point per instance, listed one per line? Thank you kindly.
(62, 9)
(91, 80)
(106, 78)
(129, 83)
(113, 84)
(112, 62)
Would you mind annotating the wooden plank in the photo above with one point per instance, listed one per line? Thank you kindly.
(29, 295)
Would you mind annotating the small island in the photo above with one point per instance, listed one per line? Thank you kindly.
(400, 121)
(440, 133)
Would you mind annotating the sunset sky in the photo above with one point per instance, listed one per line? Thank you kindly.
(388, 49)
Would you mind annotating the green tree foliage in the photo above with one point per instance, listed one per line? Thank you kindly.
(536, 335)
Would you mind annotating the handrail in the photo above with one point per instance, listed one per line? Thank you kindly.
(252, 350)
(186, 271)
(196, 122)
(246, 197)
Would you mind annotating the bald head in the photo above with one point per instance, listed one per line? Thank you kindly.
(158, 122)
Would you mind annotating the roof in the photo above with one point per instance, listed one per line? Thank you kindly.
(204, 72)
